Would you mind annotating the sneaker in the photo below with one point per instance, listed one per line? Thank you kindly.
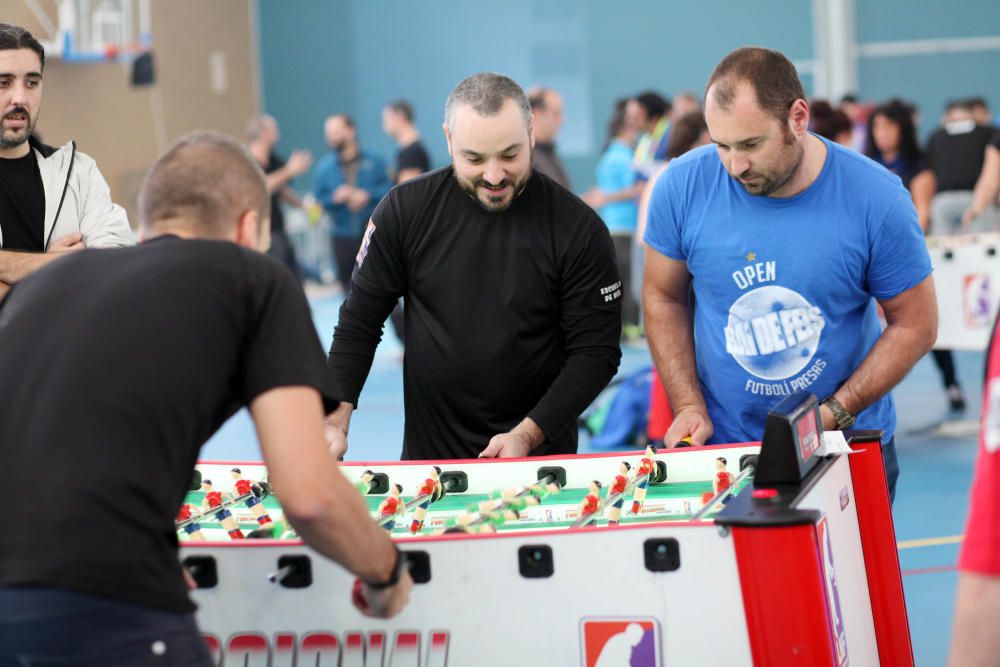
(956, 400)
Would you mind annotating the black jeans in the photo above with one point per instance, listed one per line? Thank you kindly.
(891, 463)
(45, 627)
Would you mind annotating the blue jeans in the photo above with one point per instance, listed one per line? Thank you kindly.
(45, 627)
(891, 467)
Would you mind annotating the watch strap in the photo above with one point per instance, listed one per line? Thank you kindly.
(397, 572)
(843, 418)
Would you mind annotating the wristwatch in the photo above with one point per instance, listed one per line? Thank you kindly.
(397, 572)
(844, 419)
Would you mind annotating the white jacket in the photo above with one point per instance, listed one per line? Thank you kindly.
(77, 199)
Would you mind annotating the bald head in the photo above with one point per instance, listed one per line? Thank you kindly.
(204, 184)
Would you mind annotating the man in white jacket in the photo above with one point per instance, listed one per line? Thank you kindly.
(51, 200)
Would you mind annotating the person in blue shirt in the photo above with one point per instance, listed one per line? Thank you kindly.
(349, 183)
(789, 242)
(614, 198)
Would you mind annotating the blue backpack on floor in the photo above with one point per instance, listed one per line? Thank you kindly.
(621, 419)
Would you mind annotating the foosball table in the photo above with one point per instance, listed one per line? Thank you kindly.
(746, 554)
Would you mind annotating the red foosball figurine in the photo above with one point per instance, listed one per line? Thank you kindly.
(391, 506)
(723, 480)
(619, 486)
(193, 529)
(433, 490)
(590, 506)
(215, 499)
(245, 486)
(643, 474)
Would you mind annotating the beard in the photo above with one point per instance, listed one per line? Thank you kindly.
(12, 138)
(479, 191)
(765, 184)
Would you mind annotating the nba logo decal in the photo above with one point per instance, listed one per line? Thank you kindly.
(976, 300)
(833, 593)
(620, 642)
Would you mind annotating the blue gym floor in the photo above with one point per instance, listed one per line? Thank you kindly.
(931, 499)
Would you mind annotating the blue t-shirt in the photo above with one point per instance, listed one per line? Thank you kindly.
(783, 286)
(615, 173)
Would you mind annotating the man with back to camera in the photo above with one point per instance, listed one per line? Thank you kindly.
(180, 332)
(512, 295)
(51, 200)
(788, 240)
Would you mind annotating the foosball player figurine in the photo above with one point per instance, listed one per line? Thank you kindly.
(433, 490)
(590, 506)
(497, 518)
(193, 529)
(214, 499)
(391, 506)
(643, 474)
(618, 489)
(245, 486)
(722, 481)
(364, 484)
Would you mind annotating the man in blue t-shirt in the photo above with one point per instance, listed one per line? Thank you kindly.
(788, 242)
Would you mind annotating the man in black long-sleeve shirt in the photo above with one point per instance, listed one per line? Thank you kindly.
(512, 296)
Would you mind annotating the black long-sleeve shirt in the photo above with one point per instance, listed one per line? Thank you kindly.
(507, 315)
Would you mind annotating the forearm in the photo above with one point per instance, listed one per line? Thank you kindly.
(922, 189)
(355, 339)
(279, 178)
(584, 375)
(895, 352)
(290, 197)
(975, 641)
(16, 265)
(987, 189)
(631, 193)
(668, 330)
(342, 529)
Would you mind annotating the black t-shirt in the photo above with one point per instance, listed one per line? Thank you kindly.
(274, 163)
(413, 156)
(956, 156)
(119, 364)
(22, 204)
(507, 315)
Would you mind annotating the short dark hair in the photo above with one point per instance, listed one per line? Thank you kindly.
(684, 133)
(536, 98)
(723, 459)
(827, 121)
(236, 470)
(399, 487)
(654, 104)
(15, 37)
(770, 75)
(964, 103)
(207, 178)
(347, 118)
(256, 125)
(403, 108)
(486, 93)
